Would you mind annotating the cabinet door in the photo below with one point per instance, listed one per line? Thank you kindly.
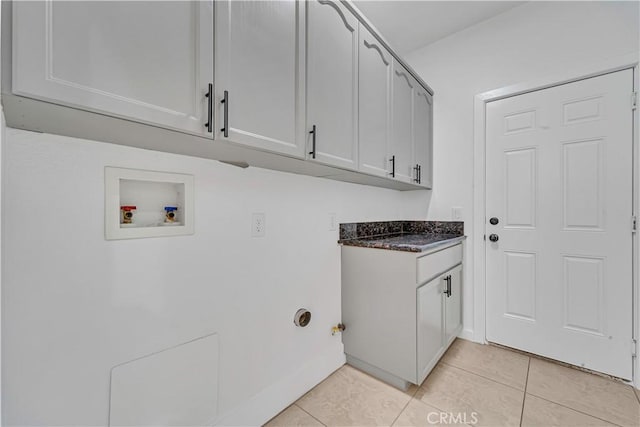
(374, 91)
(401, 142)
(430, 326)
(332, 83)
(149, 62)
(260, 63)
(453, 305)
(423, 136)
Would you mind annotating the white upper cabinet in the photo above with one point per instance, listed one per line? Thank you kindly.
(401, 142)
(423, 137)
(302, 86)
(260, 64)
(150, 62)
(332, 84)
(374, 93)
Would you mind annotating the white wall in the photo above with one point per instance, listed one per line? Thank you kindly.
(2, 140)
(75, 305)
(532, 41)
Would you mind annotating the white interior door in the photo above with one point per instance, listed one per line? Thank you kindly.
(559, 181)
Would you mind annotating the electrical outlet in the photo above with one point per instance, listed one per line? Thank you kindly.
(456, 213)
(333, 222)
(258, 224)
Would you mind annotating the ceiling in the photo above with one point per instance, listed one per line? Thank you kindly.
(408, 25)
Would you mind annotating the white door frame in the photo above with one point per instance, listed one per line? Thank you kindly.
(479, 195)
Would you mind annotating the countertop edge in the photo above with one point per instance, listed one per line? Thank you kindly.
(417, 250)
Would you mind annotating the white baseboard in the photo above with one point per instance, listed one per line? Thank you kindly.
(260, 408)
(467, 334)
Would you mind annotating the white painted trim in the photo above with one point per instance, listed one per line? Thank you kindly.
(636, 240)
(479, 149)
(466, 334)
(3, 141)
(259, 409)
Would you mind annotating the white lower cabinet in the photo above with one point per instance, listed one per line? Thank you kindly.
(453, 305)
(439, 318)
(401, 310)
(429, 319)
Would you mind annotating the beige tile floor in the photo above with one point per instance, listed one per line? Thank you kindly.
(490, 386)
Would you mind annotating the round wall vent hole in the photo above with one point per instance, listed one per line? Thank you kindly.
(302, 317)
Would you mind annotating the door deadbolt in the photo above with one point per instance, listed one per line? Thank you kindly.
(493, 237)
(494, 221)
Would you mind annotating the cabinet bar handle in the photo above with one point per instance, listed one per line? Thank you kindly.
(393, 166)
(225, 101)
(419, 174)
(313, 142)
(417, 169)
(447, 280)
(209, 95)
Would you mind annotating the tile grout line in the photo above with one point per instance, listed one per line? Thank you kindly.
(575, 410)
(486, 378)
(418, 389)
(524, 396)
(405, 406)
(401, 411)
(468, 372)
(306, 412)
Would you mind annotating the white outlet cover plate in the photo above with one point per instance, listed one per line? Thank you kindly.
(258, 224)
(333, 222)
(456, 213)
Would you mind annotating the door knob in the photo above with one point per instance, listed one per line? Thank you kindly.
(493, 237)
(494, 220)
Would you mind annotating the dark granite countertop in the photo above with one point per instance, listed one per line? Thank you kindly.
(408, 236)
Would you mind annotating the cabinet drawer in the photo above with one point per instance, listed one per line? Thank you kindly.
(435, 263)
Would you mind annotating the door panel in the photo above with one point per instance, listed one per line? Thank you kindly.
(332, 76)
(583, 184)
(401, 144)
(583, 287)
(423, 135)
(87, 55)
(374, 93)
(260, 59)
(521, 188)
(559, 178)
(520, 285)
(430, 331)
(453, 305)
